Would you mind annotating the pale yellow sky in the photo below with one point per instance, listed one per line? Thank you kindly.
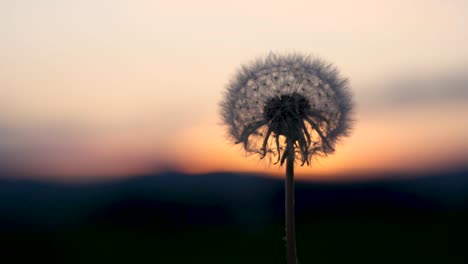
(115, 87)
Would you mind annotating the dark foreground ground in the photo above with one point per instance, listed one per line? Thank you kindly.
(231, 218)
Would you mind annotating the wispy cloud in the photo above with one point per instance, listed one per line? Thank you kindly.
(436, 89)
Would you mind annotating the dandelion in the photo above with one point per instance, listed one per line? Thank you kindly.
(289, 108)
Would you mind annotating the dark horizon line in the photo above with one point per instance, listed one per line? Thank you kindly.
(353, 177)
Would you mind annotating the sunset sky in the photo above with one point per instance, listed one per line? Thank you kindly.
(94, 90)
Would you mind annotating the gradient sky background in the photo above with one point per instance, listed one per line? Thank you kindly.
(93, 90)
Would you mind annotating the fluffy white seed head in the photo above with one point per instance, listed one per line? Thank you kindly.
(281, 99)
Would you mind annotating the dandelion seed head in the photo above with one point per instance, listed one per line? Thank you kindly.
(288, 98)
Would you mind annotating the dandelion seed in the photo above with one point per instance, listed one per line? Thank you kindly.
(317, 112)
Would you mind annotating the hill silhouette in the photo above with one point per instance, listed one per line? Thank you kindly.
(420, 218)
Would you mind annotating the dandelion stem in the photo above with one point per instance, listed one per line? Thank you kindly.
(289, 205)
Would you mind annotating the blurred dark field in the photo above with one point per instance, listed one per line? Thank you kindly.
(235, 218)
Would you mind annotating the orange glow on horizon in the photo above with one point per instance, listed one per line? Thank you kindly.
(375, 146)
